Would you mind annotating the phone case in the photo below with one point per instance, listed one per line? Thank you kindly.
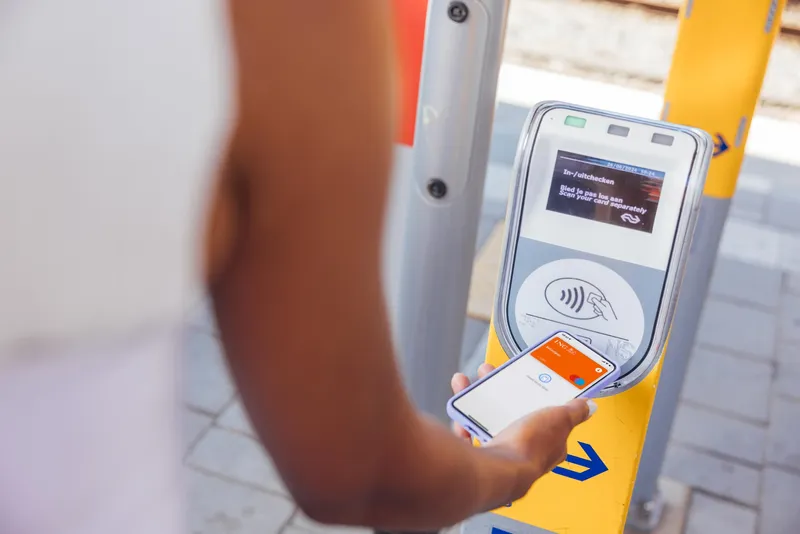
(482, 436)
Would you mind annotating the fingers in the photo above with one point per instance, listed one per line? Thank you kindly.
(555, 424)
(459, 431)
(548, 429)
(485, 369)
(579, 410)
(459, 382)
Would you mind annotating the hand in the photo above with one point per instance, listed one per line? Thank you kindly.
(539, 439)
(459, 383)
(602, 307)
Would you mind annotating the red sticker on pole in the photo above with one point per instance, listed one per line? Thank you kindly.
(409, 23)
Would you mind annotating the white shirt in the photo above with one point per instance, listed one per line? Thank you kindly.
(113, 119)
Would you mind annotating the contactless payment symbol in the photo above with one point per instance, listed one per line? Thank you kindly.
(570, 297)
(544, 378)
(578, 381)
(593, 302)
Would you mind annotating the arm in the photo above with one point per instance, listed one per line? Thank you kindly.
(299, 300)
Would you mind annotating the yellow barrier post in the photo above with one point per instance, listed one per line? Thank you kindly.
(720, 59)
(717, 72)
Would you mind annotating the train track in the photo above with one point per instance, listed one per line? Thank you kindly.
(790, 26)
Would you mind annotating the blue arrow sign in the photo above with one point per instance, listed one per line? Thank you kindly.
(721, 146)
(593, 464)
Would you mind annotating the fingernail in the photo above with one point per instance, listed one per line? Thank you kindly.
(592, 407)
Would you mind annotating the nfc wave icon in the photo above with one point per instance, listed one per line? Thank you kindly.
(572, 297)
(628, 218)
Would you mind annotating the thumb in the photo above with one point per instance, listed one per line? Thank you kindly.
(541, 437)
(579, 410)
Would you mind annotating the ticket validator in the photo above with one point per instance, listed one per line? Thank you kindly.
(599, 228)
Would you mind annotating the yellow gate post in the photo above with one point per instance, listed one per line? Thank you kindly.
(714, 84)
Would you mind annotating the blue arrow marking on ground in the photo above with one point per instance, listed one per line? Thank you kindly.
(496, 530)
(721, 146)
(593, 464)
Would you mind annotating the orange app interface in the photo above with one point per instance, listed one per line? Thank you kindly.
(550, 375)
(569, 363)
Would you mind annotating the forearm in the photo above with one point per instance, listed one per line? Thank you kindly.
(433, 479)
(332, 411)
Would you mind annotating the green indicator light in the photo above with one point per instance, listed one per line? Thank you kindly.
(577, 122)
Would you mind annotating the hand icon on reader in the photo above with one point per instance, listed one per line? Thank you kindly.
(602, 307)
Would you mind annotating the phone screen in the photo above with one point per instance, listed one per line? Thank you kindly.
(553, 373)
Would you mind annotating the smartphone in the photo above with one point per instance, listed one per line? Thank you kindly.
(551, 373)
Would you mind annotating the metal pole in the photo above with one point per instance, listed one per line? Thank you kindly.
(437, 196)
(718, 68)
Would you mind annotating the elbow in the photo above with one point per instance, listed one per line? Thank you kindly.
(339, 492)
(331, 511)
(337, 504)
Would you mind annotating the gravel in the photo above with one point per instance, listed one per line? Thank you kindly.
(626, 45)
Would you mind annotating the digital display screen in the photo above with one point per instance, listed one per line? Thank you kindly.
(605, 191)
(552, 374)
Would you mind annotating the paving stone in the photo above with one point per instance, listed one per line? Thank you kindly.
(780, 513)
(783, 445)
(485, 227)
(787, 378)
(789, 352)
(792, 283)
(194, 424)
(721, 477)
(497, 187)
(751, 242)
(784, 211)
(715, 432)
(208, 384)
(780, 175)
(474, 330)
(235, 418)
(221, 507)
(753, 284)
(236, 456)
(477, 357)
(790, 318)
(754, 183)
(713, 516)
(729, 383)
(304, 523)
(508, 122)
(789, 253)
(738, 328)
(750, 199)
(750, 205)
(483, 283)
(676, 498)
(494, 210)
